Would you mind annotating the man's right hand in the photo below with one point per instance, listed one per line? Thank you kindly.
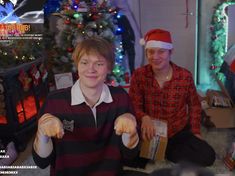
(50, 126)
(147, 128)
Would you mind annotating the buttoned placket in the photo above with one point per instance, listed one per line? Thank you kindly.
(79, 98)
(93, 109)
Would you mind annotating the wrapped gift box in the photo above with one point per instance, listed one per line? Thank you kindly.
(155, 149)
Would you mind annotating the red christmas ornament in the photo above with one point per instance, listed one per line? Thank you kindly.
(103, 5)
(80, 26)
(95, 17)
(76, 1)
(67, 21)
(113, 83)
(93, 9)
(127, 77)
(213, 67)
(66, 7)
(70, 49)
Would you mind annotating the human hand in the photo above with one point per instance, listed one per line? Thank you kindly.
(125, 123)
(50, 126)
(147, 128)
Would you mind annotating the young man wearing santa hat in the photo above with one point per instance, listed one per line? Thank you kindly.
(165, 91)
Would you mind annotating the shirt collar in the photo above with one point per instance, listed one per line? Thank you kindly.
(149, 72)
(78, 98)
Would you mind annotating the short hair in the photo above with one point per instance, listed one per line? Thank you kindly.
(95, 45)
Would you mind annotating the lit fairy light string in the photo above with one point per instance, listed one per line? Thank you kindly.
(82, 19)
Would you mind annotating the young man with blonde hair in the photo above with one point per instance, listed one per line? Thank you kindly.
(89, 128)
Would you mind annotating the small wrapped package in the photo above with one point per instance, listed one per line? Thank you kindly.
(156, 148)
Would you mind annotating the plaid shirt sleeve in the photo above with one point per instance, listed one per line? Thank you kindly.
(136, 93)
(194, 106)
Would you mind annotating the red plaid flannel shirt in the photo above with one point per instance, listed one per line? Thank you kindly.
(177, 102)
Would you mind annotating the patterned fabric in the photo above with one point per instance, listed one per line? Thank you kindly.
(90, 148)
(177, 102)
(229, 162)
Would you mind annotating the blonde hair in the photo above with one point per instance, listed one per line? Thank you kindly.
(95, 45)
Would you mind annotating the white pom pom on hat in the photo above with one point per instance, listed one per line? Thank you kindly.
(157, 38)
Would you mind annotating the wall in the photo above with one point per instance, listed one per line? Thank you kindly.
(135, 9)
(134, 6)
(231, 26)
(171, 15)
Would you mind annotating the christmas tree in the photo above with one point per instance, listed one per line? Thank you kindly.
(219, 30)
(79, 20)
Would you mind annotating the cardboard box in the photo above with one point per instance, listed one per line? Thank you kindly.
(156, 148)
(222, 117)
(218, 99)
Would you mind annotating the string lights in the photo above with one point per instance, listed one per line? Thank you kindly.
(87, 18)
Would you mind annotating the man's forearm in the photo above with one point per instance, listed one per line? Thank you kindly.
(42, 145)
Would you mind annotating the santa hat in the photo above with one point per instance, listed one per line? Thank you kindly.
(157, 38)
